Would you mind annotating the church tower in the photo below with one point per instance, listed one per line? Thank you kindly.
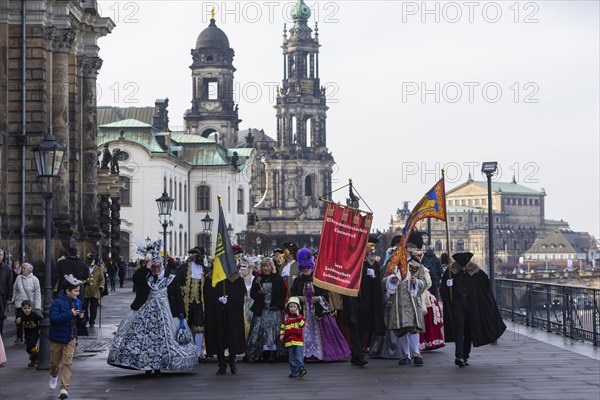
(213, 109)
(297, 170)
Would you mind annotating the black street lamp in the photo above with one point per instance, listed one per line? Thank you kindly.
(207, 223)
(258, 242)
(230, 231)
(48, 159)
(489, 168)
(242, 238)
(165, 204)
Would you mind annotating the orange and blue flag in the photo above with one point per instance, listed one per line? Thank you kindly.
(432, 205)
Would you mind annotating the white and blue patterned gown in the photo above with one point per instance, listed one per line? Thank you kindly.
(146, 338)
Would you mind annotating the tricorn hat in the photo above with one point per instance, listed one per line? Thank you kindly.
(462, 259)
(197, 250)
(395, 240)
(373, 239)
(415, 240)
(292, 247)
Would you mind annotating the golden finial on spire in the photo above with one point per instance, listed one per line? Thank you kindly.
(212, 13)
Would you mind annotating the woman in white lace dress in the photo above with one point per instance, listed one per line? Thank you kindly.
(148, 338)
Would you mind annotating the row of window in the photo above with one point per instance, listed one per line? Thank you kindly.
(203, 196)
(506, 201)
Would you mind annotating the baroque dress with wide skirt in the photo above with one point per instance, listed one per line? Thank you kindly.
(432, 337)
(146, 338)
(322, 337)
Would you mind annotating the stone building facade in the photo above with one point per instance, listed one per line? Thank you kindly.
(295, 170)
(519, 219)
(49, 61)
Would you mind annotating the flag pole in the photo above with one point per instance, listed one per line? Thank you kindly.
(447, 235)
(219, 201)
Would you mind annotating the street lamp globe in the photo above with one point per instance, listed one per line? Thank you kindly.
(48, 156)
(258, 240)
(207, 223)
(165, 204)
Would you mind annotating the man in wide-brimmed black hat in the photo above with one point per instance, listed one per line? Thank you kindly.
(189, 277)
(471, 315)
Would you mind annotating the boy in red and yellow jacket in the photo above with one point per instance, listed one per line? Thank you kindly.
(291, 334)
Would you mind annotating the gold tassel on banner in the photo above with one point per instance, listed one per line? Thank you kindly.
(345, 215)
(368, 221)
(330, 210)
(356, 218)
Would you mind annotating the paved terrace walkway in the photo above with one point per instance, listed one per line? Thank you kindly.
(524, 365)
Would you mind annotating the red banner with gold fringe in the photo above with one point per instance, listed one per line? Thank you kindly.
(344, 238)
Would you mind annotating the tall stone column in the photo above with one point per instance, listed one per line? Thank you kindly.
(61, 46)
(115, 227)
(104, 217)
(88, 68)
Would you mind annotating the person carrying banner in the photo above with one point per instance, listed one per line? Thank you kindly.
(471, 314)
(405, 309)
(224, 294)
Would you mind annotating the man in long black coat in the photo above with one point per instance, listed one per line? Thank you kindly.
(363, 315)
(471, 315)
(73, 266)
(224, 321)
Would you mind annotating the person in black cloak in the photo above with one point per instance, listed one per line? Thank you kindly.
(363, 315)
(471, 315)
(224, 320)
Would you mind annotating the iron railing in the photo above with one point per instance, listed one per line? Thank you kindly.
(572, 311)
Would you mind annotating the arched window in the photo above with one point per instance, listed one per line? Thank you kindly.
(240, 201)
(180, 196)
(125, 191)
(438, 245)
(308, 185)
(203, 198)
(180, 244)
(185, 197)
(460, 245)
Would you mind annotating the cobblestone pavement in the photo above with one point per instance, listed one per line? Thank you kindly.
(519, 367)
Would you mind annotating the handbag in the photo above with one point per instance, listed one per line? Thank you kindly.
(184, 336)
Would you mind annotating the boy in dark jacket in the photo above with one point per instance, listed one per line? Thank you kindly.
(30, 321)
(66, 320)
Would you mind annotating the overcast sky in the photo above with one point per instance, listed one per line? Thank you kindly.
(411, 88)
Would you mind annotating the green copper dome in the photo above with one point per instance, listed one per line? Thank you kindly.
(300, 11)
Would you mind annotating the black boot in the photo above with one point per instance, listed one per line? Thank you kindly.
(232, 364)
(459, 360)
(222, 365)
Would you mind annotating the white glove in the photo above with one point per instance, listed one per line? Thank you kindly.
(223, 299)
(371, 272)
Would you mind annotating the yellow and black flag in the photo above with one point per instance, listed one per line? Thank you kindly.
(224, 263)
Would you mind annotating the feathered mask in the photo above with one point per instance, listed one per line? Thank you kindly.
(305, 259)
